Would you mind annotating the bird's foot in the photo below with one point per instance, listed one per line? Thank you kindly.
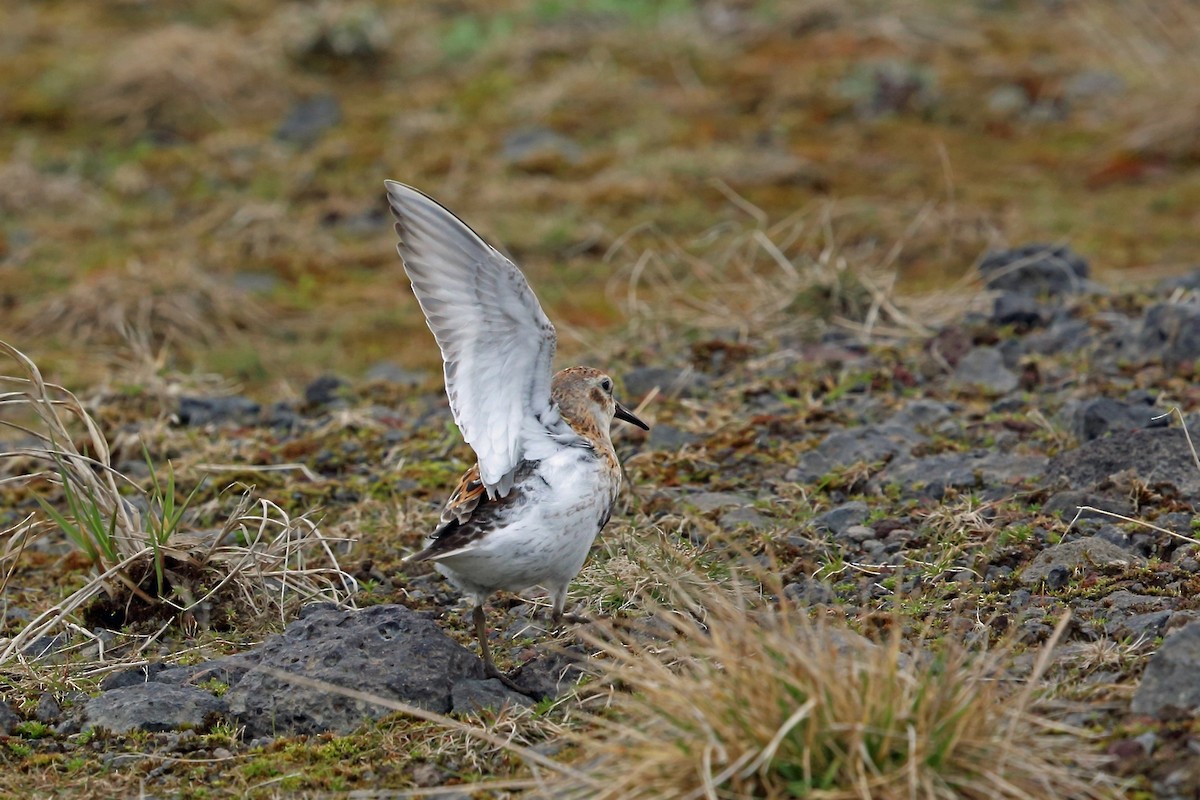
(493, 672)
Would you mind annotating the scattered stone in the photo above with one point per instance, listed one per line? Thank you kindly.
(984, 368)
(837, 520)
(153, 707)
(473, 696)
(739, 517)
(931, 476)
(325, 391)
(920, 412)
(1154, 456)
(9, 719)
(809, 592)
(1090, 551)
(386, 650)
(1093, 419)
(552, 674)
(711, 501)
(1035, 270)
(1069, 503)
(1171, 331)
(640, 381)
(389, 372)
(202, 411)
(309, 120)
(131, 677)
(48, 709)
(1172, 678)
(868, 444)
(1019, 310)
(668, 437)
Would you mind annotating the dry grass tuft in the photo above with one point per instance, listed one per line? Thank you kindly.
(743, 699)
(185, 81)
(148, 564)
(812, 270)
(164, 305)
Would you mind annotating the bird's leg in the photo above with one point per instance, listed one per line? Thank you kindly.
(557, 617)
(489, 666)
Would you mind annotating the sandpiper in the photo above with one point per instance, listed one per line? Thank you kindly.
(547, 477)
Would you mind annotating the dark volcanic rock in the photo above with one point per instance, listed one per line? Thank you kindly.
(8, 719)
(1095, 418)
(1172, 678)
(1018, 310)
(836, 520)
(1036, 269)
(472, 696)
(869, 444)
(1091, 551)
(199, 411)
(1156, 456)
(153, 707)
(552, 674)
(1171, 331)
(640, 381)
(978, 469)
(984, 367)
(385, 650)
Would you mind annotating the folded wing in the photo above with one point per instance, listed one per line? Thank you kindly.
(497, 344)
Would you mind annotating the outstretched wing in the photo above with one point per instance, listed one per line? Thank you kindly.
(497, 343)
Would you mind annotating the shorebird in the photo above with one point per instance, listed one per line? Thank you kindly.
(546, 477)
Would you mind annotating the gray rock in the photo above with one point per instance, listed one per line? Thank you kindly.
(387, 650)
(131, 677)
(984, 367)
(48, 709)
(979, 469)
(1092, 419)
(868, 444)
(153, 707)
(551, 675)
(837, 520)
(1171, 331)
(201, 411)
(1148, 625)
(309, 119)
(739, 517)
(389, 372)
(1090, 551)
(920, 412)
(640, 381)
(327, 390)
(1172, 678)
(1065, 334)
(1017, 309)
(1154, 456)
(711, 501)
(1036, 269)
(8, 719)
(670, 438)
(473, 696)
(809, 592)
(1068, 503)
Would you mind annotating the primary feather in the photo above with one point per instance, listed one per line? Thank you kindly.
(497, 343)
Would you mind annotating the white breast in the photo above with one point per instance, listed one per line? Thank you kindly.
(569, 497)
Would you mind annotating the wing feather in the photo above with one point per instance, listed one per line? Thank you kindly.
(497, 343)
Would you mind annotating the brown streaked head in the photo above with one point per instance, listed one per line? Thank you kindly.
(585, 397)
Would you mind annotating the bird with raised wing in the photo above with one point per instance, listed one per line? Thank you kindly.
(546, 477)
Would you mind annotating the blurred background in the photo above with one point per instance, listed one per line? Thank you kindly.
(196, 188)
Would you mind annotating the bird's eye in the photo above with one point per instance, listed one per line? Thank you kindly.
(606, 385)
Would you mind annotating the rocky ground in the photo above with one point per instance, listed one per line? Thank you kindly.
(764, 217)
(1022, 464)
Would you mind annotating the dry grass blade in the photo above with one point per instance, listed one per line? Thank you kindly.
(747, 699)
(149, 567)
